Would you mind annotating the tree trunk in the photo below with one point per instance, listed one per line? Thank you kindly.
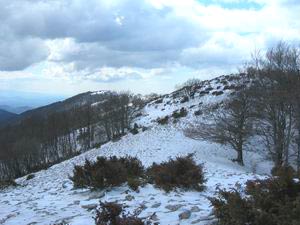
(239, 158)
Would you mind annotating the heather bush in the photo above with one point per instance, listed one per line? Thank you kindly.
(30, 176)
(198, 112)
(110, 213)
(181, 113)
(274, 201)
(217, 93)
(204, 92)
(135, 129)
(107, 172)
(181, 172)
(158, 101)
(209, 89)
(283, 171)
(163, 120)
(7, 183)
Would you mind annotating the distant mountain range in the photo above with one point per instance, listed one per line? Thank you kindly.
(14, 115)
(20, 101)
(16, 109)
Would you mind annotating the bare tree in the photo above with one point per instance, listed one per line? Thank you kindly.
(275, 94)
(188, 86)
(232, 125)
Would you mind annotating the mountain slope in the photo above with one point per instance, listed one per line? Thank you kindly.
(67, 104)
(16, 109)
(6, 117)
(49, 198)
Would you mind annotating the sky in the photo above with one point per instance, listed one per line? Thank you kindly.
(65, 47)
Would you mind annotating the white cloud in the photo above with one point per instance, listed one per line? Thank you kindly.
(111, 41)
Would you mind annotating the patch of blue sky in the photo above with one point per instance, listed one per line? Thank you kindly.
(233, 4)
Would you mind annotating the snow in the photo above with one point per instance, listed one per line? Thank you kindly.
(49, 197)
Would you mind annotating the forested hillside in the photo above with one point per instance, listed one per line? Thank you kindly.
(47, 135)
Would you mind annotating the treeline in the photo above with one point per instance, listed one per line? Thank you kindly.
(39, 141)
(267, 108)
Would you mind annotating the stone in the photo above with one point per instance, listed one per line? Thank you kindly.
(76, 202)
(196, 221)
(96, 195)
(185, 215)
(156, 205)
(173, 208)
(195, 209)
(154, 217)
(129, 197)
(89, 206)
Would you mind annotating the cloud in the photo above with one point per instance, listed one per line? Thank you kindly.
(121, 33)
(18, 54)
(107, 41)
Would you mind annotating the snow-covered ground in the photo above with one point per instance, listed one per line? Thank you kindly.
(49, 198)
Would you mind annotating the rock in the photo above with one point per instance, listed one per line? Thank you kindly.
(140, 209)
(66, 184)
(89, 206)
(195, 209)
(143, 206)
(156, 205)
(196, 221)
(129, 197)
(185, 215)
(173, 208)
(77, 202)
(154, 217)
(96, 195)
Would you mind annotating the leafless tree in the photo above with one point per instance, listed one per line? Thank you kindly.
(188, 86)
(275, 100)
(231, 125)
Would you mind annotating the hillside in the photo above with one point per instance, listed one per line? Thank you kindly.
(16, 110)
(6, 117)
(49, 198)
(68, 104)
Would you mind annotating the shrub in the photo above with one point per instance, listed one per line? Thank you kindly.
(204, 92)
(110, 214)
(134, 183)
(284, 171)
(135, 129)
(181, 172)
(139, 114)
(7, 183)
(107, 172)
(229, 87)
(209, 89)
(97, 145)
(30, 176)
(163, 120)
(198, 112)
(158, 101)
(274, 201)
(61, 223)
(182, 113)
(217, 93)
